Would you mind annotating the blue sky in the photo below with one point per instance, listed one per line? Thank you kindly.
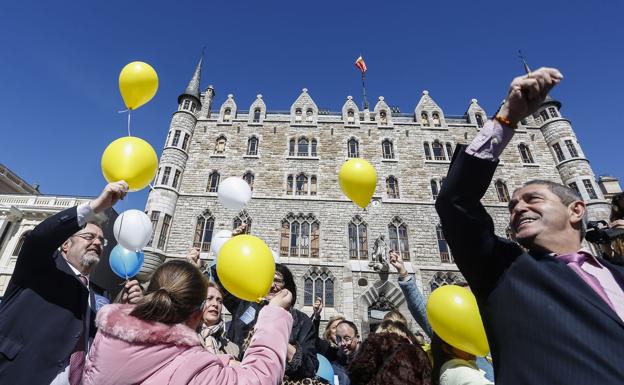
(59, 63)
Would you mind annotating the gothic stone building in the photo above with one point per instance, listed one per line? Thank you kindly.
(291, 159)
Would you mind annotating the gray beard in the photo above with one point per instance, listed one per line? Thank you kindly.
(89, 261)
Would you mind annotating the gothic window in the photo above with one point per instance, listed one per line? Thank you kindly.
(353, 148)
(590, 189)
(185, 142)
(442, 278)
(249, 178)
(435, 117)
(358, 239)
(252, 146)
(186, 104)
(213, 182)
(289, 185)
(449, 150)
(256, 115)
(435, 188)
(558, 152)
(298, 116)
(302, 147)
(392, 187)
(574, 187)
(318, 284)
(424, 118)
(154, 219)
(302, 185)
(553, 112)
(291, 147)
(445, 251)
(313, 185)
(176, 138)
(164, 231)
(313, 145)
(203, 231)
(220, 145)
(165, 177)
(383, 118)
(427, 149)
(300, 236)
(176, 179)
(525, 153)
(310, 115)
(350, 117)
(571, 148)
(243, 217)
(479, 119)
(20, 243)
(501, 190)
(387, 149)
(438, 151)
(227, 114)
(397, 231)
(544, 115)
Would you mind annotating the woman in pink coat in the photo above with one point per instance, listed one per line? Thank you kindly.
(155, 342)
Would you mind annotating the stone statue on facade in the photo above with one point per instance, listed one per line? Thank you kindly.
(379, 257)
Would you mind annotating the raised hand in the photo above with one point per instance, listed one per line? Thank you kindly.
(132, 292)
(111, 194)
(527, 93)
(193, 256)
(239, 230)
(396, 261)
(318, 305)
(282, 299)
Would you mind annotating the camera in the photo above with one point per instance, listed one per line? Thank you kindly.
(600, 233)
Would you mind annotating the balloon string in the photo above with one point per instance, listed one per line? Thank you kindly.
(129, 111)
(151, 187)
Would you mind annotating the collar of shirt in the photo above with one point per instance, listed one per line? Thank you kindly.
(76, 271)
(590, 257)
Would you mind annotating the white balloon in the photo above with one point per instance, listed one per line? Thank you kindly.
(234, 193)
(218, 240)
(132, 229)
(276, 257)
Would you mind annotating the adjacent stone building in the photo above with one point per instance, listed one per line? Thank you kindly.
(291, 159)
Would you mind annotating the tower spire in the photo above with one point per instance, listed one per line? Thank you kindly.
(192, 88)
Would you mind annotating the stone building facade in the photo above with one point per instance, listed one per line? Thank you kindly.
(291, 159)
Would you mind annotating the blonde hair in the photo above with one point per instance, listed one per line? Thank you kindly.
(398, 328)
(332, 319)
(395, 315)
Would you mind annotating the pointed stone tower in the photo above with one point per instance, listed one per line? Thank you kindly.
(428, 113)
(162, 200)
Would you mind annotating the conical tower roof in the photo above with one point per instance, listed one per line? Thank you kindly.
(192, 89)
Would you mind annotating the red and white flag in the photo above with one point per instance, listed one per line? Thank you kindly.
(359, 63)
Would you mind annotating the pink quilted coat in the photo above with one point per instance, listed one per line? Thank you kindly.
(127, 350)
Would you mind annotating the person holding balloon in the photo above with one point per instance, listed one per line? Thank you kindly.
(48, 312)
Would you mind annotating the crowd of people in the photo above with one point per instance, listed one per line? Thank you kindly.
(552, 311)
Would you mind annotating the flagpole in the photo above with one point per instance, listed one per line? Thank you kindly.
(364, 90)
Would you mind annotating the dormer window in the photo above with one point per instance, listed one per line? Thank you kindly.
(553, 112)
(310, 115)
(227, 114)
(383, 119)
(436, 119)
(186, 104)
(298, 116)
(256, 115)
(350, 117)
(479, 119)
(424, 119)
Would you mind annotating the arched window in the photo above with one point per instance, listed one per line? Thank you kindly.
(298, 115)
(442, 278)
(427, 149)
(479, 119)
(302, 185)
(252, 146)
(300, 236)
(243, 217)
(310, 115)
(392, 187)
(387, 149)
(383, 117)
(20, 243)
(449, 150)
(318, 283)
(501, 190)
(435, 117)
(350, 117)
(302, 147)
(313, 144)
(358, 239)
(220, 145)
(289, 185)
(256, 115)
(313, 185)
(435, 188)
(353, 148)
(227, 114)
(249, 178)
(397, 231)
(203, 231)
(291, 147)
(445, 251)
(438, 151)
(525, 153)
(213, 182)
(424, 118)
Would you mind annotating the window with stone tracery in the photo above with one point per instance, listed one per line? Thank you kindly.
(242, 217)
(397, 231)
(442, 278)
(300, 236)
(318, 283)
(358, 239)
(203, 231)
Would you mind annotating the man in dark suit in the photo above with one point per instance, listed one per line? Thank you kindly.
(554, 313)
(47, 315)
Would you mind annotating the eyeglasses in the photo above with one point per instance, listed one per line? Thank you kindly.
(344, 340)
(91, 237)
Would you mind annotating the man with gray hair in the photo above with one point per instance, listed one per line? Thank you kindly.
(553, 314)
(48, 312)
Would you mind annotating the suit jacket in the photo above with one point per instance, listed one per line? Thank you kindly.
(45, 306)
(544, 324)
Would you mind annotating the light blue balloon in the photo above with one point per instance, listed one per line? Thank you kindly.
(125, 263)
(325, 369)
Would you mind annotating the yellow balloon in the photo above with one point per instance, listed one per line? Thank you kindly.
(245, 267)
(131, 159)
(358, 180)
(138, 83)
(454, 316)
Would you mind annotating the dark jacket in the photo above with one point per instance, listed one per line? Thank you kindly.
(544, 324)
(44, 308)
